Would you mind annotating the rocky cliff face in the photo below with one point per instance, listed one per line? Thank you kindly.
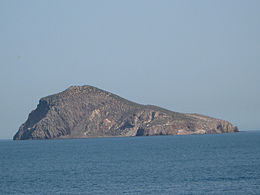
(86, 111)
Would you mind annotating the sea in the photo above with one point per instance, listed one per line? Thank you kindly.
(182, 164)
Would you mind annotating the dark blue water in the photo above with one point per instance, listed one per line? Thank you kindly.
(190, 164)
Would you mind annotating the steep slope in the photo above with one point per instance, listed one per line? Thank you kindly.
(86, 111)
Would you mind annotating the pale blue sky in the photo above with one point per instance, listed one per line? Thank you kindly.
(186, 56)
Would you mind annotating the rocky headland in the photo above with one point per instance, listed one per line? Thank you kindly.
(86, 111)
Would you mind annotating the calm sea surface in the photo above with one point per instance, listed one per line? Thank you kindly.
(190, 164)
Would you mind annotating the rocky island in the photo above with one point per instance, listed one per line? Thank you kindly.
(86, 111)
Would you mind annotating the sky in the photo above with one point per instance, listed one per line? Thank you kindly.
(186, 56)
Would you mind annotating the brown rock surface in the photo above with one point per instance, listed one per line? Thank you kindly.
(86, 111)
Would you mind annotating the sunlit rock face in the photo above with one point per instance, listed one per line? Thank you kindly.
(86, 111)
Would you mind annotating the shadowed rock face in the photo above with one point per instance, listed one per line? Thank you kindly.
(86, 111)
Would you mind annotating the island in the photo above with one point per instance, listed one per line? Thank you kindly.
(86, 111)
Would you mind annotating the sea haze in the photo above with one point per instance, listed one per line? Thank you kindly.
(189, 164)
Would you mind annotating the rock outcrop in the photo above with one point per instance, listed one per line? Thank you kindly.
(86, 111)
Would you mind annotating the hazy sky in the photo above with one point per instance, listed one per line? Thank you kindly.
(186, 56)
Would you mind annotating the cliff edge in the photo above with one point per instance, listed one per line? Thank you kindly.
(86, 111)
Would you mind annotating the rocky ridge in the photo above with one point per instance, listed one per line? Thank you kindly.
(86, 111)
